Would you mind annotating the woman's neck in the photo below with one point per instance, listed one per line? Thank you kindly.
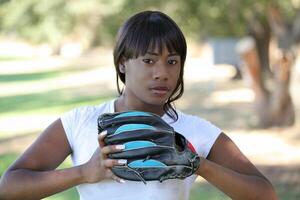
(124, 104)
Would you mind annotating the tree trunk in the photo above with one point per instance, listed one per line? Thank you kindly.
(262, 38)
(273, 104)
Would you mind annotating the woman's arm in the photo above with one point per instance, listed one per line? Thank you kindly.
(229, 170)
(33, 175)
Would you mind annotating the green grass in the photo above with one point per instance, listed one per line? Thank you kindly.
(203, 190)
(14, 58)
(53, 101)
(38, 76)
(70, 194)
(7, 159)
(7, 78)
(287, 192)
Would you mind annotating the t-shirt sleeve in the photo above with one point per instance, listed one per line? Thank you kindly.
(205, 136)
(69, 121)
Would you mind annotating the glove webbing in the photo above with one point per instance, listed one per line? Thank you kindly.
(138, 174)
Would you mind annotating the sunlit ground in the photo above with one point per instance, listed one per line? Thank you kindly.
(34, 92)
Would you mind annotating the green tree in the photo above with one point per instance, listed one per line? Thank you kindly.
(43, 21)
(265, 21)
(95, 22)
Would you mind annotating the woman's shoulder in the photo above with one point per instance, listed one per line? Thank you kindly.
(189, 124)
(90, 110)
(193, 120)
(83, 114)
(196, 127)
(81, 122)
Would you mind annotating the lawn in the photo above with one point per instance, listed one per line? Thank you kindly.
(31, 100)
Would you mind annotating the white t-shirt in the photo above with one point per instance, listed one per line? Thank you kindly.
(80, 126)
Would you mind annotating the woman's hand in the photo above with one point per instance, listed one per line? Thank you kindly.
(98, 168)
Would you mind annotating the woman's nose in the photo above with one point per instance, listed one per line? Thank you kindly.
(160, 72)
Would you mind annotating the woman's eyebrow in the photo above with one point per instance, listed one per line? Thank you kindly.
(157, 54)
(152, 53)
(173, 54)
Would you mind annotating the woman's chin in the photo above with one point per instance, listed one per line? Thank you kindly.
(157, 101)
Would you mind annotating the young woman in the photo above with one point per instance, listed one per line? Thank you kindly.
(149, 58)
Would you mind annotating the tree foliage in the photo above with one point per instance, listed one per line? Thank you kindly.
(98, 20)
(95, 22)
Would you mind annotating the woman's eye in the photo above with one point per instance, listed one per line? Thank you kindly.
(172, 62)
(148, 61)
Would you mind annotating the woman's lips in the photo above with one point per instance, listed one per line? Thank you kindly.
(160, 90)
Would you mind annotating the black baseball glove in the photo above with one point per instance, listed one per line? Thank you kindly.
(153, 150)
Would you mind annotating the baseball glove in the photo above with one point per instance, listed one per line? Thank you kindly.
(153, 150)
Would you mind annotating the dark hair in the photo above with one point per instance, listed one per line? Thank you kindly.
(149, 30)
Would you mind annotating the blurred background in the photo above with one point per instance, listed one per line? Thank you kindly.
(242, 73)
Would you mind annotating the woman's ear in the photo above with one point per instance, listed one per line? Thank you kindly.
(122, 68)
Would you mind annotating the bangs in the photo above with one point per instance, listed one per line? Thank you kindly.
(153, 34)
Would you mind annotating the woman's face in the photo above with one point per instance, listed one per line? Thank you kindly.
(151, 79)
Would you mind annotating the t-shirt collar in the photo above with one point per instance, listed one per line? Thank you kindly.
(165, 117)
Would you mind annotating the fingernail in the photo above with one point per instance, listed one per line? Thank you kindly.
(122, 161)
(103, 133)
(122, 181)
(120, 146)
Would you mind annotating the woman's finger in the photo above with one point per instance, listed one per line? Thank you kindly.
(109, 175)
(101, 137)
(119, 180)
(109, 163)
(112, 149)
